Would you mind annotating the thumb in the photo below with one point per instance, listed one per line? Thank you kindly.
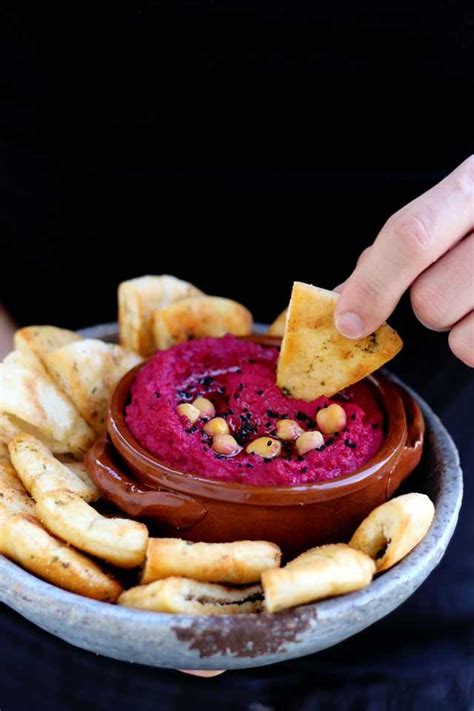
(356, 312)
(365, 300)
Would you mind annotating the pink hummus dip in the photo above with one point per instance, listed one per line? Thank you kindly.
(239, 378)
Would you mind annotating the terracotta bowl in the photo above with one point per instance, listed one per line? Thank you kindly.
(295, 518)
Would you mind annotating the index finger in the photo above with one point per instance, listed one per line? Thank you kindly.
(409, 242)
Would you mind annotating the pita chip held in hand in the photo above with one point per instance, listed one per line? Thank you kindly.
(315, 359)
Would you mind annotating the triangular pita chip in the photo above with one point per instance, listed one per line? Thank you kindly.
(138, 299)
(41, 340)
(315, 359)
(199, 317)
(31, 402)
(277, 328)
(88, 371)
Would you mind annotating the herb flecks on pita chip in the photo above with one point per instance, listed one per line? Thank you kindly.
(14, 499)
(25, 541)
(315, 359)
(40, 471)
(88, 371)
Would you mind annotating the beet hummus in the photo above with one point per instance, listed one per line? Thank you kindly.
(238, 377)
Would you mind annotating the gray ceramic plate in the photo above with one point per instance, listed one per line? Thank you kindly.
(236, 642)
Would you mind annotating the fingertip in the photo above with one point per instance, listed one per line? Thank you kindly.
(204, 674)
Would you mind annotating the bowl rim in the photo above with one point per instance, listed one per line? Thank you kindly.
(135, 455)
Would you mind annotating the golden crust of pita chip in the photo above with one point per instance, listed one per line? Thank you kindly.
(14, 499)
(79, 469)
(238, 563)
(277, 328)
(8, 429)
(200, 317)
(138, 299)
(315, 359)
(40, 471)
(191, 597)
(119, 541)
(394, 529)
(24, 540)
(31, 402)
(325, 571)
(11, 427)
(88, 371)
(41, 340)
(4, 453)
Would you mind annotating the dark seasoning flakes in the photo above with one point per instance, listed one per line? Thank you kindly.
(371, 343)
(303, 417)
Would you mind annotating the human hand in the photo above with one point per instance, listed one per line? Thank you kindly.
(427, 247)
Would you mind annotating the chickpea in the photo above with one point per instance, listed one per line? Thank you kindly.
(331, 419)
(225, 445)
(265, 447)
(288, 430)
(205, 407)
(309, 441)
(189, 411)
(216, 426)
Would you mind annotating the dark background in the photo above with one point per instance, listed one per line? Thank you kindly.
(239, 145)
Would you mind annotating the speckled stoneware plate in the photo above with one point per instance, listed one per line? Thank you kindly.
(236, 642)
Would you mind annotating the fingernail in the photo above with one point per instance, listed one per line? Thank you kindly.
(350, 325)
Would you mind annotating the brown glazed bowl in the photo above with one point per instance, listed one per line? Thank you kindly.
(295, 518)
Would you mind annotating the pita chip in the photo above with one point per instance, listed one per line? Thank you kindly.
(138, 299)
(41, 340)
(198, 318)
(88, 371)
(315, 359)
(277, 328)
(31, 402)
